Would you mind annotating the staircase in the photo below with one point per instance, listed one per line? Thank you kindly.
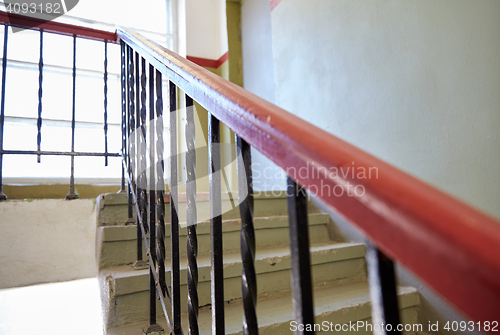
(339, 275)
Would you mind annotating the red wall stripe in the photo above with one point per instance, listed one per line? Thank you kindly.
(274, 3)
(212, 63)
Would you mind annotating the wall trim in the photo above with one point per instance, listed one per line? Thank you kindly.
(274, 3)
(212, 63)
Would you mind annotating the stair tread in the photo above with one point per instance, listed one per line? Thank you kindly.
(316, 250)
(341, 299)
(266, 260)
(128, 232)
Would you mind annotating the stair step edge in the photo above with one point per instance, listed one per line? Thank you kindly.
(114, 233)
(355, 307)
(127, 280)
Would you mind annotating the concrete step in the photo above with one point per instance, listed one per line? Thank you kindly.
(116, 244)
(113, 207)
(125, 292)
(333, 305)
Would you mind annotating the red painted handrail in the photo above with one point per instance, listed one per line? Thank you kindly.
(451, 246)
(57, 27)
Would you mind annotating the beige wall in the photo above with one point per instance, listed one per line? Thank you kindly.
(206, 36)
(258, 78)
(46, 241)
(413, 82)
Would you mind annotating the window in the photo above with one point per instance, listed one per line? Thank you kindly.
(152, 18)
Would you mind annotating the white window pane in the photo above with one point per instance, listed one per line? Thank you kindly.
(58, 50)
(21, 92)
(89, 54)
(24, 46)
(22, 166)
(57, 95)
(19, 136)
(56, 138)
(93, 167)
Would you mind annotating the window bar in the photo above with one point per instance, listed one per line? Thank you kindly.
(40, 91)
(125, 102)
(301, 264)
(72, 194)
(174, 218)
(2, 107)
(122, 184)
(383, 294)
(153, 295)
(125, 98)
(217, 275)
(126, 88)
(106, 103)
(191, 219)
(129, 68)
(123, 122)
(247, 237)
(160, 185)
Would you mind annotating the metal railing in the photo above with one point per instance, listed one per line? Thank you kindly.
(435, 236)
(76, 33)
(446, 243)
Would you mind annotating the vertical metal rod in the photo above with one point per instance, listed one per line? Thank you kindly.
(130, 108)
(142, 134)
(40, 91)
(122, 184)
(174, 218)
(2, 108)
(124, 75)
(153, 294)
(383, 294)
(136, 151)
(160, 185)
(144, 185)
(72, 194)
(191, 219)
(106, 102)
(123, 123)
(247, 237)
(217, 270)
(301, 264)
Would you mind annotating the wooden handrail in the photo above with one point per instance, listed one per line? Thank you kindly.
(27, 22)
(451, 246)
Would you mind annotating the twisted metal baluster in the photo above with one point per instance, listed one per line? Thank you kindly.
(124, 76)
(384, 298)
(40, 91)
(137, 156)
(247, 238)
(160, 184)
(174, 218)
(191, 219)
(217, 262)
(131, 133)
(153, 294)
(128, 152)
(142, 155)
(303, 309)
